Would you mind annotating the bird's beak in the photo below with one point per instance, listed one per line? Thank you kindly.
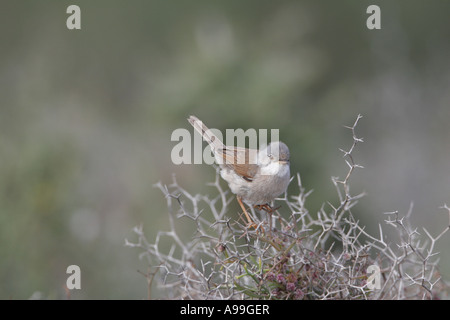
(283, 161)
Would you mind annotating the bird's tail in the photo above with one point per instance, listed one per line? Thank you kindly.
(207, 134)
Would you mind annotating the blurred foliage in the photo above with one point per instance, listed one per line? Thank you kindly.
(86, 117)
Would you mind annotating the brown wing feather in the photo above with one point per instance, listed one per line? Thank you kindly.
(241, 160)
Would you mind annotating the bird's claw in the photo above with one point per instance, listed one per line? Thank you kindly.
(266, 207)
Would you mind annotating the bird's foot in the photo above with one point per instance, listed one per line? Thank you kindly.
(266, 207)
(251, 223)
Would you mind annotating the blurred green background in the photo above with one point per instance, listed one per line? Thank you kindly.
(86, 118)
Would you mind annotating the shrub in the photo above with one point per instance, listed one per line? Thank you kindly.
(327, 255)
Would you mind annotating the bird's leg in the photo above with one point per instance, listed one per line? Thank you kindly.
(250, 221)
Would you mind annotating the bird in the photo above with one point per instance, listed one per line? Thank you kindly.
(256, 177)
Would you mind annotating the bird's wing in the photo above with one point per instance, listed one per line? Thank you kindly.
(241, 160)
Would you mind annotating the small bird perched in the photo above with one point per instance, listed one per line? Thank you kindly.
(256, 177)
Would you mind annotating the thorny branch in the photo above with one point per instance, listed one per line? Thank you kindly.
(300, 255)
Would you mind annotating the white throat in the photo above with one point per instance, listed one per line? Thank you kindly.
(275, 168)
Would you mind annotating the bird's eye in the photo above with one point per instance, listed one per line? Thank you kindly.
(270, 155)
